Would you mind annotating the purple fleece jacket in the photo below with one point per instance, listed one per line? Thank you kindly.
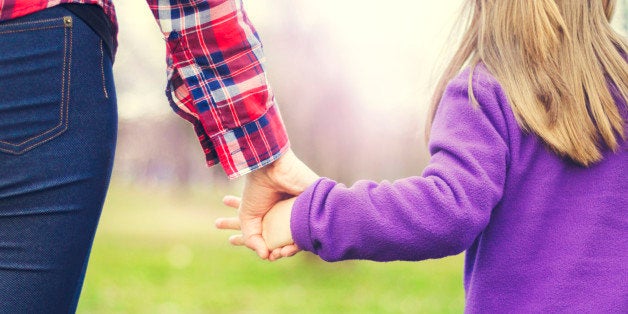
(541, 233)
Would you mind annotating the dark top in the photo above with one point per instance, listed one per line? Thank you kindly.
(95, 17)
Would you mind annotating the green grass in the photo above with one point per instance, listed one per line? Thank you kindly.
(157, 251)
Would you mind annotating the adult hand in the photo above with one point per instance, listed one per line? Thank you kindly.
(288, 176)
(275, 224)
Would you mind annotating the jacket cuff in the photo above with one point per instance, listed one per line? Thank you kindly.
(300, 219)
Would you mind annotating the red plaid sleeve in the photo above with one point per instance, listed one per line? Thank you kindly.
(216, 77)
(216, 80)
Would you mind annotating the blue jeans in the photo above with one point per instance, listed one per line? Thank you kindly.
(58, 125)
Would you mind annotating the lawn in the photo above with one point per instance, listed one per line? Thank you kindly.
(156, 251)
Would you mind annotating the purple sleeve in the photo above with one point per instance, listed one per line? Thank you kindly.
(436, 214)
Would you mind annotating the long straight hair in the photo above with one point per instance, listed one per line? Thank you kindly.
(555, 60)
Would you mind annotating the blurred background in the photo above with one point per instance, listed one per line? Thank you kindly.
(353, 80)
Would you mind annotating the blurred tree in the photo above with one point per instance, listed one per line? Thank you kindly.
(162, 151)
(337, 125)
(330, 127)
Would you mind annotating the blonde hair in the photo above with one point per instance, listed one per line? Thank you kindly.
(554, 59)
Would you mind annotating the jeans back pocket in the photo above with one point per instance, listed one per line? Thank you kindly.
(35, 61)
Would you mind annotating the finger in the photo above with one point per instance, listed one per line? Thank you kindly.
(236, 239)
(257, 244)
(231, 223)
(275, 255)
(289, 250)
(232, 201)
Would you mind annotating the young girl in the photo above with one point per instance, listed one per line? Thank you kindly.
(528, 169)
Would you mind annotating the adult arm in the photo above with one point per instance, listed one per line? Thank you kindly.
(216, 81)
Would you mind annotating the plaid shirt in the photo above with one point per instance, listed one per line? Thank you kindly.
(216, 77)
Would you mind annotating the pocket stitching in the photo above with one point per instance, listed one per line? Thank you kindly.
(102, 70)
(62, 126)
(38, 21)
(28, 29)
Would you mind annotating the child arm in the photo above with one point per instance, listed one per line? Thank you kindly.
(436, 214)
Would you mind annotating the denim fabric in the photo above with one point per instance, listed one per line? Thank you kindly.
(58, 125)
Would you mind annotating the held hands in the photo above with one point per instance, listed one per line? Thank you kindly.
(275, 227)
(263, 189)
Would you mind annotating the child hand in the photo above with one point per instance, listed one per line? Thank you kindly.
(276, 225)
(275, 230)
